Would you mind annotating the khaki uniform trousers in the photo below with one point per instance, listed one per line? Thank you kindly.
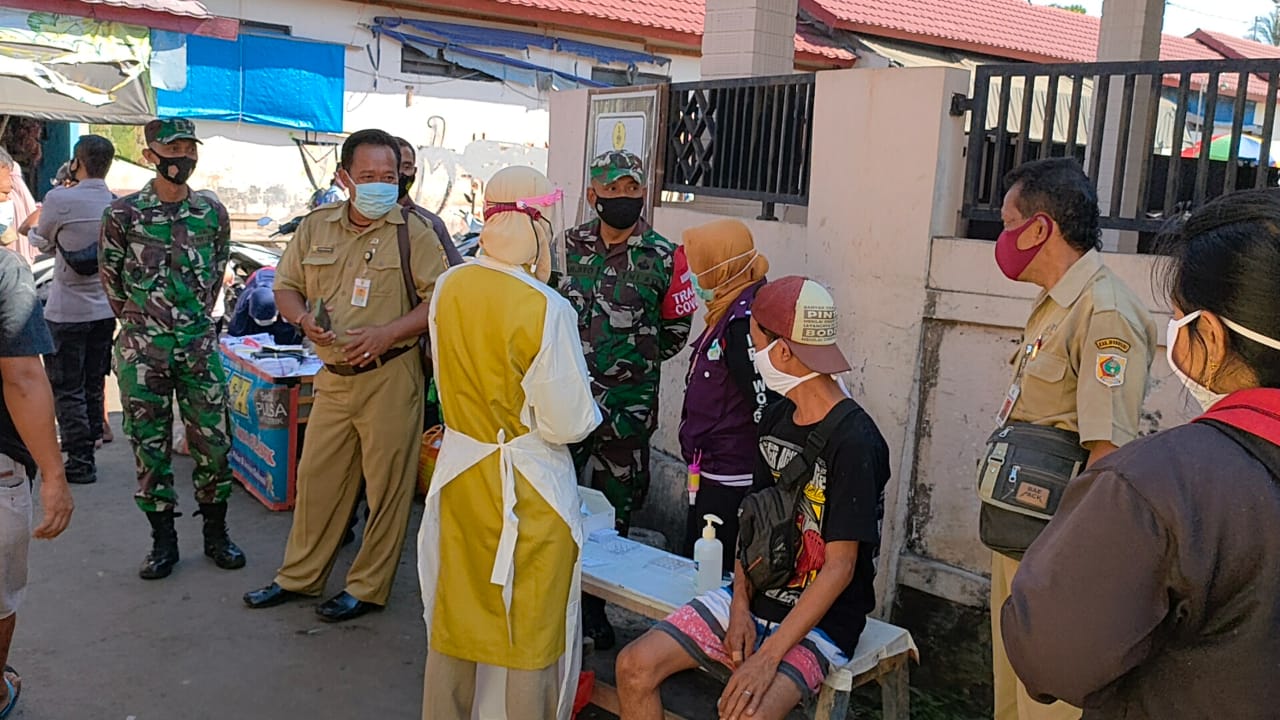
(456, 689)
(370, 426)
(1012, 700)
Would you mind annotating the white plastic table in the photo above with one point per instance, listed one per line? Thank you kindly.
(653, 583)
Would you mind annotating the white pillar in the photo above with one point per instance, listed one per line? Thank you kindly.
(1131, 30)
(745, 38)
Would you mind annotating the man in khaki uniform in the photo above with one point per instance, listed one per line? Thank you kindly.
(1084, 359)
(367, 417)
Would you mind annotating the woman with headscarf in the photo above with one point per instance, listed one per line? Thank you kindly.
(724, 394)
(499, 549)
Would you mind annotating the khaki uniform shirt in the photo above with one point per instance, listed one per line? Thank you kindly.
(347, 267)
(1087, 350)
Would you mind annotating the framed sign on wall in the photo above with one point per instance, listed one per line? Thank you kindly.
(628, 119)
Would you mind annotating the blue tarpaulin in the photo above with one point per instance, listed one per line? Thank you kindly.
(455, 34)
(262, 80)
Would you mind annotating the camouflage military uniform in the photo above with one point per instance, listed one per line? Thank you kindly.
(163, 265)
(618, 294)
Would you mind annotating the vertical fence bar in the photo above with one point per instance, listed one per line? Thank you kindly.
(1074, 114)
(1050, 114)
(1208, 114)
(1122, 144)
(1237, 136)
(1101, 97)
(973, 176)
(1002, 141)
(1149, 145)
(1268, 128)
(1174, 179)
(782, 178)
(805, 156)
(1028, 105)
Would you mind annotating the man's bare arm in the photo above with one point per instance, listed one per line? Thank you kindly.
(30, 402)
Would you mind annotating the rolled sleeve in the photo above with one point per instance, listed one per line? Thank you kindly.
(289, 270)
(428, 263)
(1114, 365)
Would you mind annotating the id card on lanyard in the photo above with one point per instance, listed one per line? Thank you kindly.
(1029, 353)
(360, 292)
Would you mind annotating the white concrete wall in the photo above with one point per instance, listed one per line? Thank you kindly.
(487, 125)
(928, 321)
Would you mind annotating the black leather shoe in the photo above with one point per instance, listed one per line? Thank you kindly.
(270, 596)
(343, 607)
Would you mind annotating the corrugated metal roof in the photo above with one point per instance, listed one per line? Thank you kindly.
(186, 8)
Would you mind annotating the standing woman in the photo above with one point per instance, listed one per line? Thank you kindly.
(1153, 591)
(724, 395)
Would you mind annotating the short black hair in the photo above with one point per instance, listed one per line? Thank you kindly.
(95, 153)
(1225, 258)
(1059, 188)
(371, 136)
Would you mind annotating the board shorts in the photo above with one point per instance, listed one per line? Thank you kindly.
(700, 627)
(15, 535)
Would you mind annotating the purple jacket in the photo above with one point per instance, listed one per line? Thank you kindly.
(723, 398)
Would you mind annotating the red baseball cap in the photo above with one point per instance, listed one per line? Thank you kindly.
(803, 313)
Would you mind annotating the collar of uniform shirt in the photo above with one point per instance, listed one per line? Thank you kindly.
(1069, 288)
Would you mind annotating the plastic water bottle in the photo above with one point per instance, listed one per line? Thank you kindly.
(708, 555)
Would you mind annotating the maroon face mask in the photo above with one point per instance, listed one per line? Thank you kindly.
(1012, 260)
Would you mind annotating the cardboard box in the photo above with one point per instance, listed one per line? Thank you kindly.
(597, 512)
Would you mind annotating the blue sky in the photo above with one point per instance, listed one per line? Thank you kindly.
(1182, 17)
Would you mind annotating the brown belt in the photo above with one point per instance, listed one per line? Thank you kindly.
(352, 370)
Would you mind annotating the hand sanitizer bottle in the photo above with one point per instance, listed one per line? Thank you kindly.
(708, 555)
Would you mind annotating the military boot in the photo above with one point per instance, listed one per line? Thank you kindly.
(164, 547)
(217, 544)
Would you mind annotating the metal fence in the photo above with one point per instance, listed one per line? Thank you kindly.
(1158, 138)
(748, 139)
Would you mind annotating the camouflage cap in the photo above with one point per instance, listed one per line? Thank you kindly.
(167, 130)
(615, 165)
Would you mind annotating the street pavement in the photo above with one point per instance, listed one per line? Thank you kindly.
(95, 642)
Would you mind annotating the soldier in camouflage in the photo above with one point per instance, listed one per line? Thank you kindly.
(164, 250)
(619, 273)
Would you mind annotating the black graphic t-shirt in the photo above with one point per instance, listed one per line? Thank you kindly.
(843, 501)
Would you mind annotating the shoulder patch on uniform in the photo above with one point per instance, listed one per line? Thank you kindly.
(1110, 369)
(1113, 343)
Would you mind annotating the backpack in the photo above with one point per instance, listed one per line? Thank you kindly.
(768, 534)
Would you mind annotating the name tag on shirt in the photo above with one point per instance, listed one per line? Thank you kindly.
(360, 293)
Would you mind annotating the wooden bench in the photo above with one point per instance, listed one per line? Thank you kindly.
(653, 583)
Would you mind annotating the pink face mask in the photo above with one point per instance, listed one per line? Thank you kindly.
(1012, 260)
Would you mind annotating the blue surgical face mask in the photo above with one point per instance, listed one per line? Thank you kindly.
(374, 200)
(706, 295)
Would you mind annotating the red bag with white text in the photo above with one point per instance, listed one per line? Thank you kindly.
(680, 301)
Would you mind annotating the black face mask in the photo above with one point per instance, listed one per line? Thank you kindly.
(406, 183)
(619, 213)
(176, 170)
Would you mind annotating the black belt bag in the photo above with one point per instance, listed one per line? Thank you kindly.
(1021, 479)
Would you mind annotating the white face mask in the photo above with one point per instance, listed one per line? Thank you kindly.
(1203, 395)
(775, 379)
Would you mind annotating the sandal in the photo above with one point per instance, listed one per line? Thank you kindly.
(14, 691)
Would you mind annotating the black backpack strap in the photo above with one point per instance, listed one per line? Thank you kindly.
(815, 443)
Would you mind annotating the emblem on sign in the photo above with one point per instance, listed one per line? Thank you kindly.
(1110, 369)
(619, 136)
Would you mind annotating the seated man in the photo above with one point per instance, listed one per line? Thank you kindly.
(776, 646)
(256, 312)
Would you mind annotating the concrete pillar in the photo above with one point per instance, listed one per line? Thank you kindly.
(1131, 30)
(866, 197)
(745, 38)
